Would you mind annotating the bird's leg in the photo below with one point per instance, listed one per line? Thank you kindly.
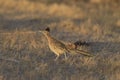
(57, 57)
(65, 56)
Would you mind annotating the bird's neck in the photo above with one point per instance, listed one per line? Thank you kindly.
(49, 37)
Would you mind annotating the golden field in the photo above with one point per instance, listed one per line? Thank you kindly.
(24, 52)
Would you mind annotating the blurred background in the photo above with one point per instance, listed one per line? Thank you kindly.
(24, 55)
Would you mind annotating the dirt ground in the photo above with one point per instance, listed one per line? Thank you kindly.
(25, 55)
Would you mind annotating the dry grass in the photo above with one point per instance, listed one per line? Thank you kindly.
(34, 7)
(24, 53)
(19, 39)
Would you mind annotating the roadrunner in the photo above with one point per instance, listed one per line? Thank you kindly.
(60, 47)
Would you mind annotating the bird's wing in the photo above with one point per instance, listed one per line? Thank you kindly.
(73, 49)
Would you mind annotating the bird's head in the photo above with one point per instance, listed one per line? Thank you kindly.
(46, 31)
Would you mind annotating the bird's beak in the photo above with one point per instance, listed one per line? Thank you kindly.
(40, 31)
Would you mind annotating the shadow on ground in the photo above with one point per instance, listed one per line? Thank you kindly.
(98, 47)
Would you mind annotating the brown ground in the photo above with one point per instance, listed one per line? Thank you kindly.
(24, 55)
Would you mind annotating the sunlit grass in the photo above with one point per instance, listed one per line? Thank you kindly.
(24, 52)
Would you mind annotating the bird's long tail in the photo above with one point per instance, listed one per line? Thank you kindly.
(85, 53)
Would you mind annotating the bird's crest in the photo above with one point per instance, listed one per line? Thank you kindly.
(47, 29)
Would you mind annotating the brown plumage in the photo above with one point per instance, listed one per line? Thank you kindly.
(60, 47)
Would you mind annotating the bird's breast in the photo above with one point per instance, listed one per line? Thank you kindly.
(56, 49)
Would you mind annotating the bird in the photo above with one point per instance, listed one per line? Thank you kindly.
(59, 47)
